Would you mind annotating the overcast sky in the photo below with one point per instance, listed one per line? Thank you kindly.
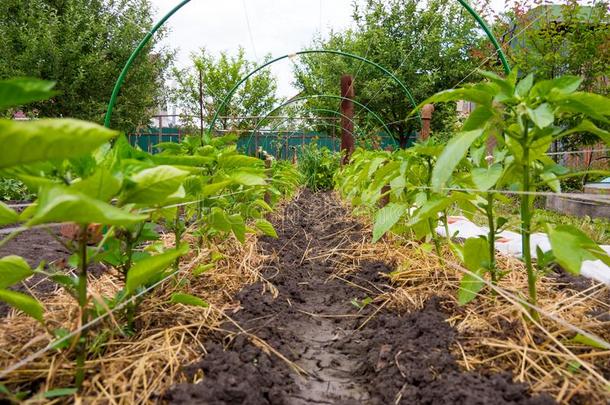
(277, 27)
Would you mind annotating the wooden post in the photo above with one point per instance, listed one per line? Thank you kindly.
(426, 116)
(347, 117)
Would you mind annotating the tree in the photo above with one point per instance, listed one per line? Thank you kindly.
(427, 46)
(83, 45)
(201, 87)
(560, 39)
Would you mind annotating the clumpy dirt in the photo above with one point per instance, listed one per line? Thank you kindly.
(333, 351)
(35, 246)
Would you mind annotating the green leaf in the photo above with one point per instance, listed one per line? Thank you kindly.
(478, 118)
(101, 185)
(219, 220)
(551, 180)
(150, 269)
(585, 340)
(560, 85)
(13, 269)
(187, 299)
(7, 215)
(542, 116)
(476, 259)
(193, 161)
(430, 208)
(588, 126)
(486, 178)
(23, 302)
(62, 204)
(248, 179)
(203, 268)
(524, 86)
(266, 228)
(592, 105)
(571, 247)
(451, 156)
(60, 392)
(386, 218)
(47, 139)
(154, 185)
(214, 188)
(238, 226)
(21, 91)
(236, 161)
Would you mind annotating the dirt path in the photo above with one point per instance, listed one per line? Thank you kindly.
(314, 323)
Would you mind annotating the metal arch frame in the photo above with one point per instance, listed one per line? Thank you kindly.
(163, 20)
(317, 96)
(316, 110)
(325, 110)
(329, 111)
(228, 97)
(314, 118)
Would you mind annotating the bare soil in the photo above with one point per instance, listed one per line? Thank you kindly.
(339, 353)
(36, 246)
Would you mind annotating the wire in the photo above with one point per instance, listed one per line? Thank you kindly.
(571, 152)
(52, 345)
(249, 29)
(421, 36)
(576, 196)
(509, 296)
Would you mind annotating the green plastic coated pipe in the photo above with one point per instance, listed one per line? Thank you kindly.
(319, 110)
(132, 58)
(314, 110)
(489, 33)
(161, 22)
(326, 96)
(228, 97)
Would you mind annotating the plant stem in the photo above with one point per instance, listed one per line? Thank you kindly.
(177, 235)
(431, 224)
(491, 238)
(526, 222)
(82, 303)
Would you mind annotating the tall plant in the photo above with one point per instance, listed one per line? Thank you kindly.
(524, 117)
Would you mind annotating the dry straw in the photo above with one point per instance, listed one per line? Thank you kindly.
(495, 333)
(136, 369)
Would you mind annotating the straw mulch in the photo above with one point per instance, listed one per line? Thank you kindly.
(495, 334)
(136, 369)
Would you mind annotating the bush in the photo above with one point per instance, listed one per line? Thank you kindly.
(318, 166)
(14, 190)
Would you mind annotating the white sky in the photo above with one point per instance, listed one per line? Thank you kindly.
(278, 27)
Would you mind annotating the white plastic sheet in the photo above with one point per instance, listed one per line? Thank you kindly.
(509, 243)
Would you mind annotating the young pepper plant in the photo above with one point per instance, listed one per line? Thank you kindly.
(525, 117)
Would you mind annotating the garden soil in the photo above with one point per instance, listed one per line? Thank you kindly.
(322, 344)
(36, 246)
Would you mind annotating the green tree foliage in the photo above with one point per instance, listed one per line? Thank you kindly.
(427, 46)
(209, 79)
(560, 39)
(82, 45)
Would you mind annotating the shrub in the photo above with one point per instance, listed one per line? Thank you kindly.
(318, 166)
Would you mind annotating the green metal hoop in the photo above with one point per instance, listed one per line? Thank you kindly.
(228, 97)
(162, 21)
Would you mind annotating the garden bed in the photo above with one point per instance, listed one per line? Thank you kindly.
(321, 315)
(328, 333)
